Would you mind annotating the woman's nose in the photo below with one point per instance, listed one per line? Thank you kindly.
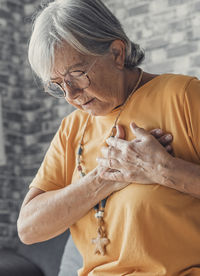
(72, 93)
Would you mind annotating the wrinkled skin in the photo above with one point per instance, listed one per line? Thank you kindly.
(128, 161)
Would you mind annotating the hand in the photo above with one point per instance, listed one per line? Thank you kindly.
(163, 138)
(139, 160)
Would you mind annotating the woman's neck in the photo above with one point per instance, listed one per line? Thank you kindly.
(131, 78)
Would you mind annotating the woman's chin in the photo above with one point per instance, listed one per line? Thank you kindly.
(95, 112)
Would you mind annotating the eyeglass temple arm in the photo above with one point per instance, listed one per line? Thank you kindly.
(90, 67)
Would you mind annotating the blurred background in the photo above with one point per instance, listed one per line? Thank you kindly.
(169, 32)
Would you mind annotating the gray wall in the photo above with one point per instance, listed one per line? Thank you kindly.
(167, 29)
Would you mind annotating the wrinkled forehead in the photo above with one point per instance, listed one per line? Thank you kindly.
(65, 57)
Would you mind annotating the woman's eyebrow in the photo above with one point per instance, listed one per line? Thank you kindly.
(70, 68)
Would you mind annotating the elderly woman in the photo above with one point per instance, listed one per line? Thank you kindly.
(105, 176)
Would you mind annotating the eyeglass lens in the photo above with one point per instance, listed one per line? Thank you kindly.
(74, 80)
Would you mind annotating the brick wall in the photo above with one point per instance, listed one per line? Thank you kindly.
(10, 87)
(30, 116)
(169, 32)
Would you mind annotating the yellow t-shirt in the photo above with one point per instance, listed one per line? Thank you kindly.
(153, 230)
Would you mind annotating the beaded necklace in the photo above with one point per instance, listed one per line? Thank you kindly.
(102, 241)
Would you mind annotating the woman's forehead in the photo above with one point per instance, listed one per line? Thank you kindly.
(66, 58)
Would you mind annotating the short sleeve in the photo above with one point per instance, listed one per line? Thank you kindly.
(51, 174)
(192, 113)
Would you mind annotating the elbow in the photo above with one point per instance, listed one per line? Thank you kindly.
(24, 240)
(23, 233)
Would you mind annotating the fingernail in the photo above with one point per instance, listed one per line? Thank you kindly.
(158, 131)
(168, 137)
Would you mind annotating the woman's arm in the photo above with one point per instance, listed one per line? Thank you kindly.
(181, 175)
(44, 215)
(144, 160)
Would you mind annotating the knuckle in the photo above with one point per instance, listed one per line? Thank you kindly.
(168, 148)
(158, 132)
(115, 162)
(161, 141)
(127, 149)
(168, 138)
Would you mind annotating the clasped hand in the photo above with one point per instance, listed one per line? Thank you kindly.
(140, 160)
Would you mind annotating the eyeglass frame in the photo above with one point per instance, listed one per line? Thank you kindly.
(64, 88)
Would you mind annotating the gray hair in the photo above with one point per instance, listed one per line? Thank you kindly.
(87, 25)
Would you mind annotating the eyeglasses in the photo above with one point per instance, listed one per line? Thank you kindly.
(75, 80)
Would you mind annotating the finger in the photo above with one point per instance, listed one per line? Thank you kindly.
(137, 131)
(165, 139)
(110, 152)
(169, 149)
(101, 170)
(109, 163)
(116, 143)
(157, 132)
(120, 132)
(103, 162)
(114, 176)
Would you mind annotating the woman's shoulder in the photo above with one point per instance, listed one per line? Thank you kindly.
(170, 85)
(170, 88)
(176, 81)
(168, 81)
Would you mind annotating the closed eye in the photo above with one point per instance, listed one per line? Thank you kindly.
(71, 70)
(76, 74)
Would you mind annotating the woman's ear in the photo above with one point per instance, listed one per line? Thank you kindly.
(117, 50)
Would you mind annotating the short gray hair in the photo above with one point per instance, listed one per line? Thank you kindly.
(87, 25)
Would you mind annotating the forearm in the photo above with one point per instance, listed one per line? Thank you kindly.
(181, 175)
(51, 213)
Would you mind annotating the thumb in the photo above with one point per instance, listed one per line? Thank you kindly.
(120, 132)
(137, 131)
